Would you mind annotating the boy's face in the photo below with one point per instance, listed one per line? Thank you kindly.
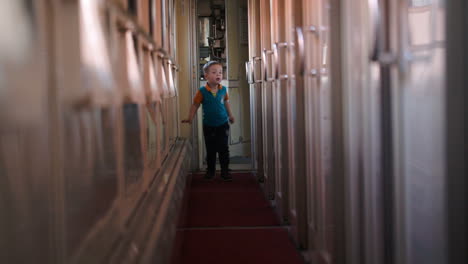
(214, 74)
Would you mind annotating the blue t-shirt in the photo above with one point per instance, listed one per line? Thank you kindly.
(214, 110)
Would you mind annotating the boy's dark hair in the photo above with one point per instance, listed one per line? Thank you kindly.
(207, 66)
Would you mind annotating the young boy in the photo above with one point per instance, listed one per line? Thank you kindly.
(216, 113)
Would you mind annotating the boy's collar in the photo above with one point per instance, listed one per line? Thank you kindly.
(207, 86)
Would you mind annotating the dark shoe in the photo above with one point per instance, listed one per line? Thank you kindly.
(209, 176)
(226, 177)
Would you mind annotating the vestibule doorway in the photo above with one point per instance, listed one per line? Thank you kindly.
(223, 36)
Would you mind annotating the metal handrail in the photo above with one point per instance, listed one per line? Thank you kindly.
(300, 40)
(254, 60)
(265, 54)
(276, 48)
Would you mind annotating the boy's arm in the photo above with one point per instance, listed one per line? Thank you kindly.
(197, 100)
(192, 113)
(228, 109)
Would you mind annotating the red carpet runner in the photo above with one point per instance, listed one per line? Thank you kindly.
(232, 223)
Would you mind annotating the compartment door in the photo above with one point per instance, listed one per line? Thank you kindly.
(267, 99)
(365, 116)
(280, 48)
(419, 121)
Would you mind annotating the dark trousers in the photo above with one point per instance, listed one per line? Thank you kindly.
(216, 141)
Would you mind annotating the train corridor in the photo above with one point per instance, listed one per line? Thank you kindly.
(232, 222)
(348, 116)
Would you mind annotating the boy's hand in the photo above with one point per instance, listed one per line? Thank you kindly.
(187, 121)
(231, 120)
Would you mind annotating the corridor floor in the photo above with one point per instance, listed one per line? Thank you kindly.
(232, 223)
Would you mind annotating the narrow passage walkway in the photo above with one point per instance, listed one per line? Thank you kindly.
(232, 223)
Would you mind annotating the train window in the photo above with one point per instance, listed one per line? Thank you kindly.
(135, 91)
(151, 16)
(163, 78)
(170, 78)
(162, 130)
(172, 111)
(153, 80)
(419, 3)
(90, 170)
(164, 33)
(137, 50)
(97, 71)
(422, 27)
(133, 7)
(161, 118)
(152, 157)
(22, 47)
(133, 159)
(162, 93)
